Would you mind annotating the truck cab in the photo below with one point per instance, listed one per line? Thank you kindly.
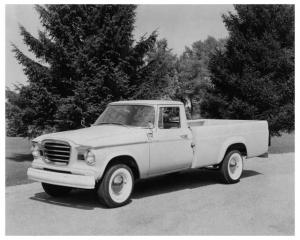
(170, 140)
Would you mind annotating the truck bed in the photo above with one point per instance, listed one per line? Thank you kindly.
(212, 138)
(209, 122)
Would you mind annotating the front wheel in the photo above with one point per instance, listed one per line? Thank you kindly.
(116, 186)
(232, 167)
(55, 190)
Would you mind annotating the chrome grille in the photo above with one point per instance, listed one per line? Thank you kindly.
(56, 151)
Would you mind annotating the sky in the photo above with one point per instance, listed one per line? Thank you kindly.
(181, 25)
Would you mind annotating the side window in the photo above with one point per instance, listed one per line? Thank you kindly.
(169, 117)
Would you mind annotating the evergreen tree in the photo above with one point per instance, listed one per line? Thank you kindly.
(158, 78)
(86, 58)
(194, 75)
(254, 77)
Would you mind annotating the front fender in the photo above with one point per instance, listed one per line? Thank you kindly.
(112, 155)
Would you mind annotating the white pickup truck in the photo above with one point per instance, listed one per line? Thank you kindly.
(140, 139)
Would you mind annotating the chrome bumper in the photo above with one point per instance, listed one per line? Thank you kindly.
(62, 179)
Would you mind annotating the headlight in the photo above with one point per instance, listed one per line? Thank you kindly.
(90, 158)
(35, 150)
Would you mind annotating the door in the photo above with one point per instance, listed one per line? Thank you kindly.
(170, 144)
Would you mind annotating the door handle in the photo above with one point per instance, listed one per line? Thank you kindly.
(185, 136)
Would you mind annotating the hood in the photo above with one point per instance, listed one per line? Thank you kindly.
(97, 136)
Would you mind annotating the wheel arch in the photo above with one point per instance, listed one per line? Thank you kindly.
(236, 143)
(122, 158)
(241, 147)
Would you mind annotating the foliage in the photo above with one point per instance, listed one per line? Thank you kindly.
(85, 58)
(13, 114)
(194, 75)
(254, 77)
(159, 75)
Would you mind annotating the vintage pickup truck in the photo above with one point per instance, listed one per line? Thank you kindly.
(134, 140)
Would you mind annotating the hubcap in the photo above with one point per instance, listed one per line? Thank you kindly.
(235, 166)
(118, 183)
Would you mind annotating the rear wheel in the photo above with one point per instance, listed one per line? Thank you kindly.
(116, 186)
(55, 190)
(232, 167)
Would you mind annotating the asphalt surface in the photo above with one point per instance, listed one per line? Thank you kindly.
(189, 203)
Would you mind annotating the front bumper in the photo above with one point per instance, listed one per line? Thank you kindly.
(62, 179)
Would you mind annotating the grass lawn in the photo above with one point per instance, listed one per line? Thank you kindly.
(18, 156)
(18, 159)
(283, 144)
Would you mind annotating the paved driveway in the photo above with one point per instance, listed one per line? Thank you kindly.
(190, 203)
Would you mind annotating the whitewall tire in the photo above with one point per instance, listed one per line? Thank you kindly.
(232, 167)
(116, 186)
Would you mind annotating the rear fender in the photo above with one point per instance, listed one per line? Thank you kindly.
(226, 145)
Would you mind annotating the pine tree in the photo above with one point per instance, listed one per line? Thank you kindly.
(254, 77)
(194, 75)
(158, 78)
(86, 57)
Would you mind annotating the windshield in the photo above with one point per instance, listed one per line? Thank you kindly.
(129, 115)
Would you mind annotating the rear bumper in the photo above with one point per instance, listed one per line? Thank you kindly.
(62, 179)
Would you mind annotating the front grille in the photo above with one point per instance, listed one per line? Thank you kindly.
(56, 151)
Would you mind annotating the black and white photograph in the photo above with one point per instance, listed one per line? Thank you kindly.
(142, 119)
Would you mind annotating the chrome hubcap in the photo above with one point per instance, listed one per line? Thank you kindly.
(118, 183)
(233, 165)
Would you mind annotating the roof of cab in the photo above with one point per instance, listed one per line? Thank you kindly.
(147, 102)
